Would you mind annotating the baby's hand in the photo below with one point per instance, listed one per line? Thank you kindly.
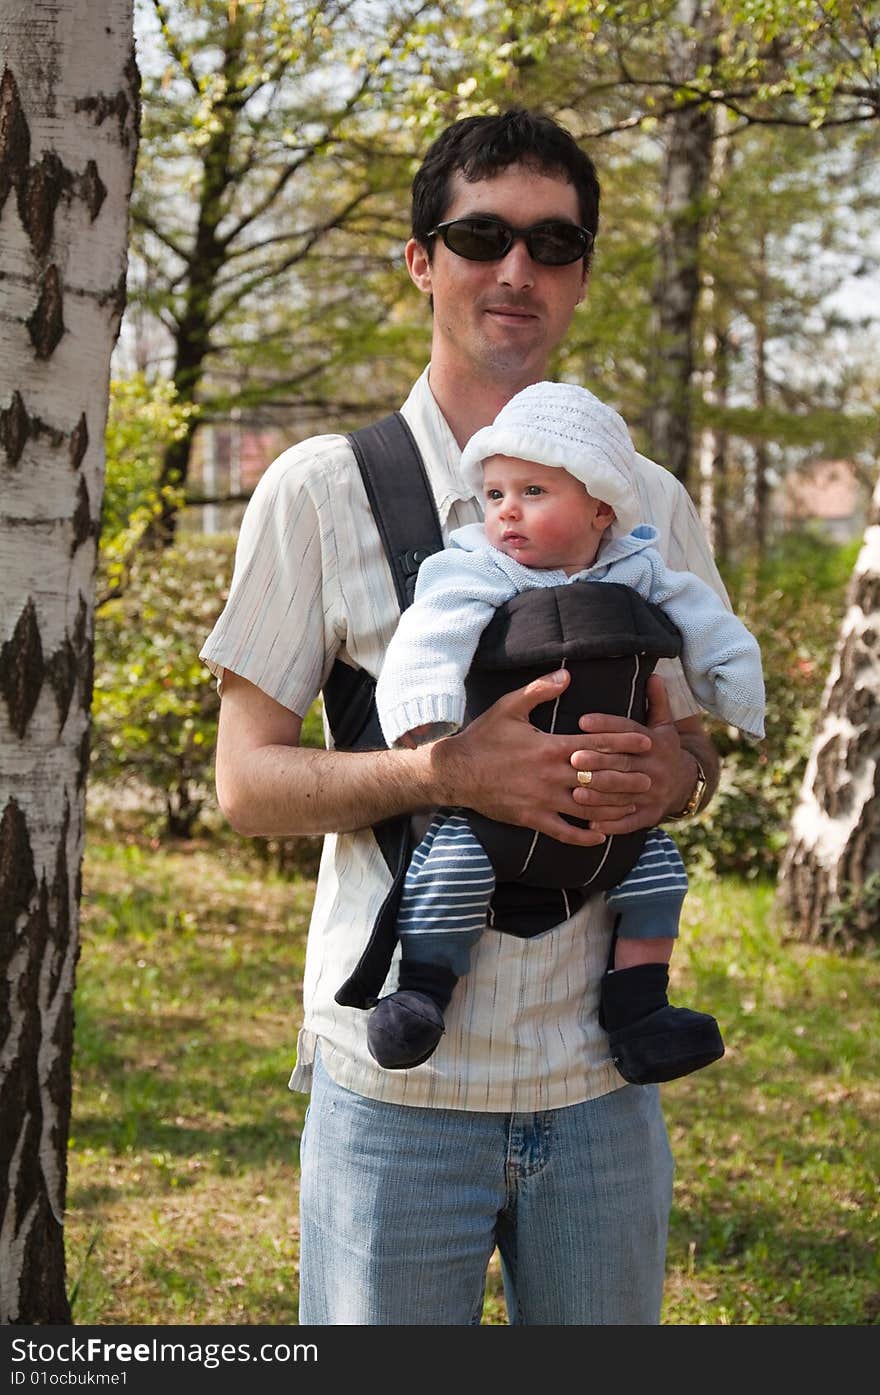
(418, 736)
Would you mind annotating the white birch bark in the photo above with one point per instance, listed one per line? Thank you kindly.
(68, 140)
(829, 882)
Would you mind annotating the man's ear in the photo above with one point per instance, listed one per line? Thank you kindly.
(585, 281)
(419, 266)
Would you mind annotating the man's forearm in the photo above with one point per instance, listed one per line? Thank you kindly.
(288, 791)
(270, 786)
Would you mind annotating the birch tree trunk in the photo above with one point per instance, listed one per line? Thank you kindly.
(713, 379)
(829, 882)
(69, 111)
(677, 286)
(761, 514)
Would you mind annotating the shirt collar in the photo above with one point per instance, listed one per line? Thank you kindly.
(439, 448)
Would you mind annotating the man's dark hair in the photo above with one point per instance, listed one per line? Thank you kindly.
(479, 147)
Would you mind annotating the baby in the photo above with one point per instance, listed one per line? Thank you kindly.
(556, 472)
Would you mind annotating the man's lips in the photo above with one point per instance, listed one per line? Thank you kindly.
(512, 314)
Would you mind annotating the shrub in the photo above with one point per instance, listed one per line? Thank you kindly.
(793, 603)
(155, 703)
(143, 420)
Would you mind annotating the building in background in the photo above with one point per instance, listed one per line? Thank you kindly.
(827, 496)
(228, 460)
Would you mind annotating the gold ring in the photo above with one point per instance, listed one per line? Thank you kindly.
(585, 777)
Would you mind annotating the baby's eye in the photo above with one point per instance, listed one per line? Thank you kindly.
(533, 489)
(493, 493)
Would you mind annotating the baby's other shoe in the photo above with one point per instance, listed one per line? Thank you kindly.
(650, 1040)
(670, 1042)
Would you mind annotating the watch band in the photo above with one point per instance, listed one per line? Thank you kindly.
(695, 798)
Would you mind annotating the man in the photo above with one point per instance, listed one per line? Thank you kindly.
(518, 1132)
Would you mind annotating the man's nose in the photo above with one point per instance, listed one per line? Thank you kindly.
(517, 269)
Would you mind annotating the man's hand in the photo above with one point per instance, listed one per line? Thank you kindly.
(508, 770)
(639, 773)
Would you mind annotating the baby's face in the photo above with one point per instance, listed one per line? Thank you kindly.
(541, 515)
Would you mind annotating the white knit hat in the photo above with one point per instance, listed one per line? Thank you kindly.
(561, 424)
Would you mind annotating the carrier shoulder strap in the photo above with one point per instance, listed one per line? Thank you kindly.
(400, 496)
(403, 506)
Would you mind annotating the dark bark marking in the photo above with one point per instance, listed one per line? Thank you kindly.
(82, 639)
(61, 671)
(100, 107)
(830, 764)
(83, 527)
(18, 881)
(42, 1287)
(863, 712)
(22, 669)
(81, 625)
(116, 295)
(46, 324)
(59, 902)
(40, 189)
(93, 189)
(133, 79)
(15, 136)
(14, 427)
(79, 442)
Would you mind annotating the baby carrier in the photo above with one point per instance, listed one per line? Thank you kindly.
(603, 632)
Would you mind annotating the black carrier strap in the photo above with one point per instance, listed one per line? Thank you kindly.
(400, 496)
(403, 506)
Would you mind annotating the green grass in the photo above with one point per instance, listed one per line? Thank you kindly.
(182, 1190)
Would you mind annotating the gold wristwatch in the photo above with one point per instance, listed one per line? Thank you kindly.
(695, 798)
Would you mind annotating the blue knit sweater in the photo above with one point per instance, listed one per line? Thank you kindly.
(422, 681)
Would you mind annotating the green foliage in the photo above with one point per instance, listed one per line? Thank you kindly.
(268, 208)
(793, 604)
(312, 733)
(155, 704)
(144, 419)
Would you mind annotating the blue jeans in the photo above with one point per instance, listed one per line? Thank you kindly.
(401, 1209)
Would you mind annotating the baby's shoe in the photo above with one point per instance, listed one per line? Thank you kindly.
(650, 1040)
(404, 1029)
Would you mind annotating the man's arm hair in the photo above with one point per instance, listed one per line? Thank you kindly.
(269, 785)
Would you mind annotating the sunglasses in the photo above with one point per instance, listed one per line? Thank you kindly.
(479, 239)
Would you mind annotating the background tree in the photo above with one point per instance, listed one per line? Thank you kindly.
(272, 132)
(778, 383)
(270, 211)
(656, 86)
(830, 878)
(68, 140)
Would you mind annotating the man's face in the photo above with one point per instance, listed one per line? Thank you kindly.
(501, 320)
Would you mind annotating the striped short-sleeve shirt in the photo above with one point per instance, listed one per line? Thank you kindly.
(311, 583)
